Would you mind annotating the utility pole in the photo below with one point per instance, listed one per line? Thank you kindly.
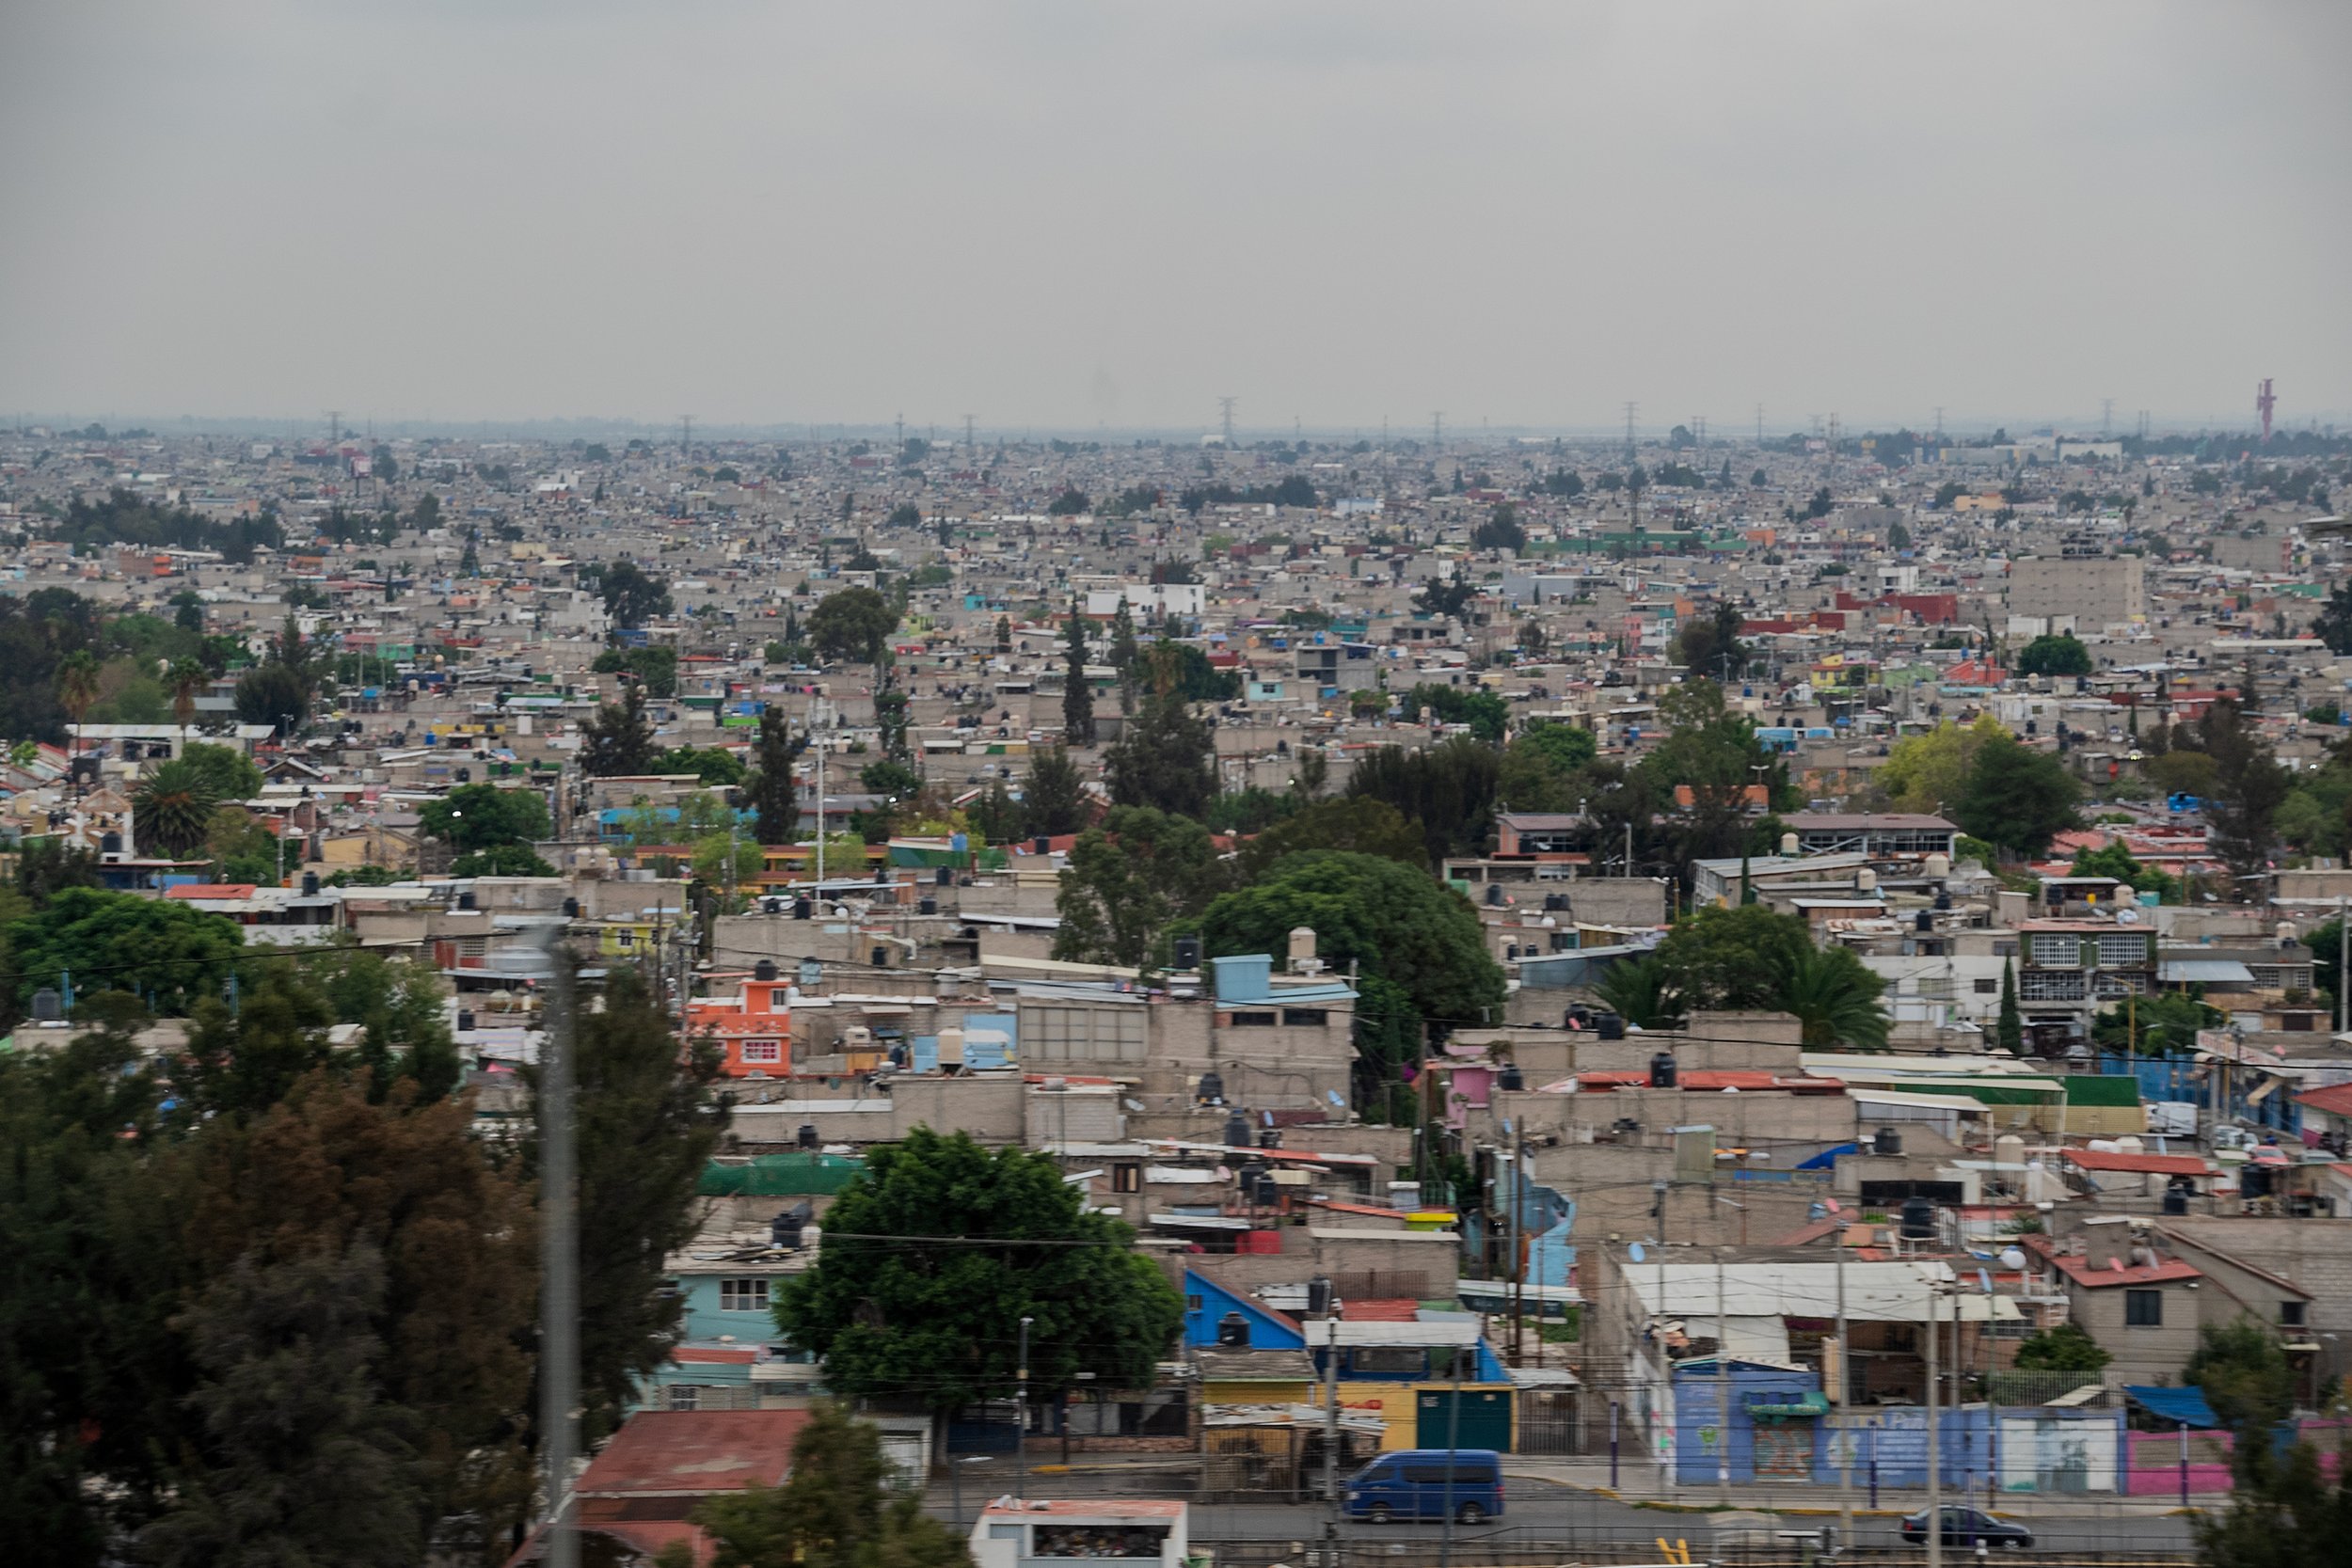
(2343, 969)
(1330, 1428)
(1939, 421)
(1021, 1396)
(819, 750)
(1936, 1455)
(1759, 424)
(1844, 1413)
(1722, 1385)
(559, 1252)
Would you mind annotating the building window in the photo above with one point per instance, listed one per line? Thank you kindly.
(1251, 1021)
(1126, 1178)
(1389, 1360)
(763, 1050)
(2290, 1314)
(1308, 1018)
(685, 1395)
(2144, 1308)
(1988, 988)
(1193, 1303)
(743, 1295)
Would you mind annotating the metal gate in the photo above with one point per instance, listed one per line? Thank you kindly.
(1463, 1418)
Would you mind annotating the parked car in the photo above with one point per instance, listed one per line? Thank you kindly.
(1421, 1483)
(1965, 1526)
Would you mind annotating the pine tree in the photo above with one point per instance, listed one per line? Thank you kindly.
(2008, 1033)
(1077, 698)
(619, 739)
(1126, 658)
(774, 795)
(1053, 796)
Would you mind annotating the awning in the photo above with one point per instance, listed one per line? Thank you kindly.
(2183, 1406)
(2204, 972)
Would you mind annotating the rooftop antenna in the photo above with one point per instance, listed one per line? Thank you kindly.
(2263, 403)
(1436, 429)
(1631, 408)
(1225, 408)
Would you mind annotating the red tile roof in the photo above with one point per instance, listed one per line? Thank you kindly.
(2336, 1100)
(1401, 1309)
(695, 1452)
(211, 891)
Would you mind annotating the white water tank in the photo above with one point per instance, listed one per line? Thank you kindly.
(1789, 845)
(2009, 1149)
(1939, 866)
(951, 1047)
(1302, 945)
(1867, 880)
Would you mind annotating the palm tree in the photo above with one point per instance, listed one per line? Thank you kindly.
(172, 809)
(1642, 991)
(1835, 999)
(187, 678)
(78, 688)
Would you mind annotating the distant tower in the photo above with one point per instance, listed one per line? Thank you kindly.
(1631, 408)
(2263, 403)
(2107, 417)
(1436, 429)
(685, 435)
(1225, 407)
(967, 436)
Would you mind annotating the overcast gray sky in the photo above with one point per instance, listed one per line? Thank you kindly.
(1066, 214)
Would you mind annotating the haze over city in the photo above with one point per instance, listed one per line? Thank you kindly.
(1070, 216)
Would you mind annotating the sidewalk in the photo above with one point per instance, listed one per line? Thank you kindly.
(1639, 1484)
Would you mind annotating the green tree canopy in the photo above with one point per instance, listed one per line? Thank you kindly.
(1484, 711)
(228, 772)
(936, 1251)
(154, 948)
(618, 739)
(833, 1511)
(2017, 798)
(171, 807)
(656, 664)
(853, 623)
(631, 597)
(1053, 796)
(1164, 758)
(2067, 1348)
(2055, 653)
(1126, 880)
(484, 816)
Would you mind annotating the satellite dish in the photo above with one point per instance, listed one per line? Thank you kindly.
(2127, 916)
(1635, 1252)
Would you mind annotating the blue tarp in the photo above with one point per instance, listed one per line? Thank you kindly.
(2176, 1405)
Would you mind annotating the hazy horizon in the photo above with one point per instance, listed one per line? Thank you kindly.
(1070, 219)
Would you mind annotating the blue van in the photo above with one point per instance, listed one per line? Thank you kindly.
(1421, 1483)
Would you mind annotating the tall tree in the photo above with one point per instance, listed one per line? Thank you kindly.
(78, 686)
(1077, 695)
(939, 1247)
(2009, 1029)
(2017, 798)
(619, 739)
(774, 794)
(187, 680)
(1165, 757)
(630, 597)
(1127, 656)
(1053, 796)
(832, 1511)
(647, 1126)
(171, 809)
(855, 623)
(1126, 880)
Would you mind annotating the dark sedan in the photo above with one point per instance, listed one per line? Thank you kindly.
(1966, 1527)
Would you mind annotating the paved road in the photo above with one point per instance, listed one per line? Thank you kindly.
(1540, 1512)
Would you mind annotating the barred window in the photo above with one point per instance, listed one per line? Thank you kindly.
(743, 1295)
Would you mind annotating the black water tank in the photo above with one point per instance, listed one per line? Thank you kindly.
(944, 877)
(878, 958)
(464, 1020)
(310, 885)
(1888, 1142)
(2176, 1199)
(571, 909)
(808, 1138)
(1211, 1088)
(1918, 1219)
(2253, 1181)
(1924, 921)
(927, 905)
(1232, 1331)
(1512, 1079)
(764, 969)
(1269, 1137)
(1942, 900)
(1238, 1131)
(1661, 1070)
(1187, 954)
(1609, 1026)
(1556, 900)
(1319, 1296)
(1494, 893)
(110, 844)
(803, 909)
(882, 874)
(1044, 846)
(465, 899)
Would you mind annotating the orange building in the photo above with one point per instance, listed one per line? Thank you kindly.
(754, 1027)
